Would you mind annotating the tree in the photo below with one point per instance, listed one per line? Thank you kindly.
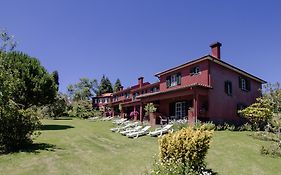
(83, 90)
(56, 109)
(33, 84)
(117, 85)
(55, 75)
(7, 42)
(272, 92)
(105, 86)
(259, 113)
(23, 83)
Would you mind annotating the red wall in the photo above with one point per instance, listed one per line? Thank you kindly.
(188, 79)
(222, 106)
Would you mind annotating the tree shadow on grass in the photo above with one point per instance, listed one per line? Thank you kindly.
(55, 127)
(33, 148)
(37, 147)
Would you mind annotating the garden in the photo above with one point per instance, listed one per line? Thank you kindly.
(83, 147)
(43, 131)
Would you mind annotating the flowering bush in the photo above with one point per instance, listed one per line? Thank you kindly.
(134, 113)
(185, 150)
(259, 113)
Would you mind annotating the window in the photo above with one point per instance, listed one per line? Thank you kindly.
(127, 95)
(135, 95)
(244, 84)
(96, 101)
(180, 110)
(195, 70)
(154, 89)
(173, 80)
(228, 88)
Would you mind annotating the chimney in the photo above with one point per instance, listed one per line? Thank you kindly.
(216, 50)
(140, 81)
(121, 88)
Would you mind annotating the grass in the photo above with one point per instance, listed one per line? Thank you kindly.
(83, 147)
(238, 153)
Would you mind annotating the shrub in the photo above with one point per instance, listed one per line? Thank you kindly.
(245, 127)
(178, 126)
(219, 128)
(266, 136)
(209, 126)
(259, 113)
(82, 109)
(186, 148)
(231, 127)
(273, 150)
(17, 127)
(274, 124)
(56, 109)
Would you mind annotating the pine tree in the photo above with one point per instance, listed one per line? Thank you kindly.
(105, 86)
(117, 85)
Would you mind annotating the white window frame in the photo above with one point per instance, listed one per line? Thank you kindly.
(174, 80)
(197, 71)
(243, 84)
(180, 110)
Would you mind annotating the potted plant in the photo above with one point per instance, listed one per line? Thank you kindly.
(150, 110)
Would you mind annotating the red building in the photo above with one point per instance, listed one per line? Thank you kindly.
(205, 89)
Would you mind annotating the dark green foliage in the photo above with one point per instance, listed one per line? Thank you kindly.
(117, 85)
(272, 92)
(105, 86)
(81, 109)
(55, 75)
(56, 109)
(83, 90)
(16, 127)
(33, 85)
(23, 84)
(245, 127)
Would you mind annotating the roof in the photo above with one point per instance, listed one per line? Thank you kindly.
(175, 89)
(131, 88)
(147, 86)
(215, 60)
(104, 95)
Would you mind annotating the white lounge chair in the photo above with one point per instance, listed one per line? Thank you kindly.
(106, 118)
(142, 132)
(161, 131)
(135, 129)
(120, 128)
(119, 121)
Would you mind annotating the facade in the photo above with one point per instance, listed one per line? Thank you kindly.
(205, 89)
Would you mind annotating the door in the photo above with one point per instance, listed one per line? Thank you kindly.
(180, 110)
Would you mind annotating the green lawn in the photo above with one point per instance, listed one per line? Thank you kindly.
(83, 147)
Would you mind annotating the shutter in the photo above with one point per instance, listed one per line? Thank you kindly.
(172, 109)
(178, 78)
(168, 81)
(192, 70)
(240, 82)
(230, 86)
(248, 85)
(225, 87)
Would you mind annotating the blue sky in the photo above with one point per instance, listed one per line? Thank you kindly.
(130, 38)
